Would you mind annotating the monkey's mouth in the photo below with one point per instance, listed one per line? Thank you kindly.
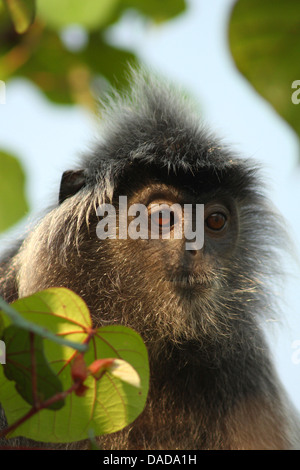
(191, 281)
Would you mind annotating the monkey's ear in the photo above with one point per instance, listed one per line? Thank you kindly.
(71, 183)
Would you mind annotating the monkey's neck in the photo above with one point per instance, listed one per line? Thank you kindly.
(229, 401)
(219, 370)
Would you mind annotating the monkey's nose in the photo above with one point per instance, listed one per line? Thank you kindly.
(192, 252)
(192, 257)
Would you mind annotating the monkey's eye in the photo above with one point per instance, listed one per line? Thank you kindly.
(216, 221)
(163, 218)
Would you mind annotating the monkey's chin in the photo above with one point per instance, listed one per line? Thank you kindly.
(190, 292)
(191, 283)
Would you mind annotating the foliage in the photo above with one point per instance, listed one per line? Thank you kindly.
(67, 74)
(265, 43)
(13, 203)
(22, 13)
(32, 46)
(50, 391)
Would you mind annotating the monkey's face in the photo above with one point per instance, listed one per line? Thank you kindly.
(166, 279)
(177, 284)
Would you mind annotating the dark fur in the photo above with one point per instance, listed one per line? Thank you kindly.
(213, 385)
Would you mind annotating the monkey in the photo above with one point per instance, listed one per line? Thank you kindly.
(200, 311)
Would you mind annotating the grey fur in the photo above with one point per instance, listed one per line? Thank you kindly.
(213, 385)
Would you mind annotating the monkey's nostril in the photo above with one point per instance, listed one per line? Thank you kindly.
(193, 252)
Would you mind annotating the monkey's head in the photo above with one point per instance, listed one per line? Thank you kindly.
(155, 152)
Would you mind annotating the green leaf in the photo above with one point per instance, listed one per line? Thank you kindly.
(13, 203)
(108, 403)
(265, 42)
(117, 368)
(156, 9)
(22, 13)
(65, 76)
(125, 372)
(94, 15)
(108, 61)
(22, 349)
(22, 305)
(9, 38)
(90, 14)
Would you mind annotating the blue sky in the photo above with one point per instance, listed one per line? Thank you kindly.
(192, 51)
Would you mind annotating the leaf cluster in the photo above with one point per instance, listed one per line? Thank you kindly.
(63, 378)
